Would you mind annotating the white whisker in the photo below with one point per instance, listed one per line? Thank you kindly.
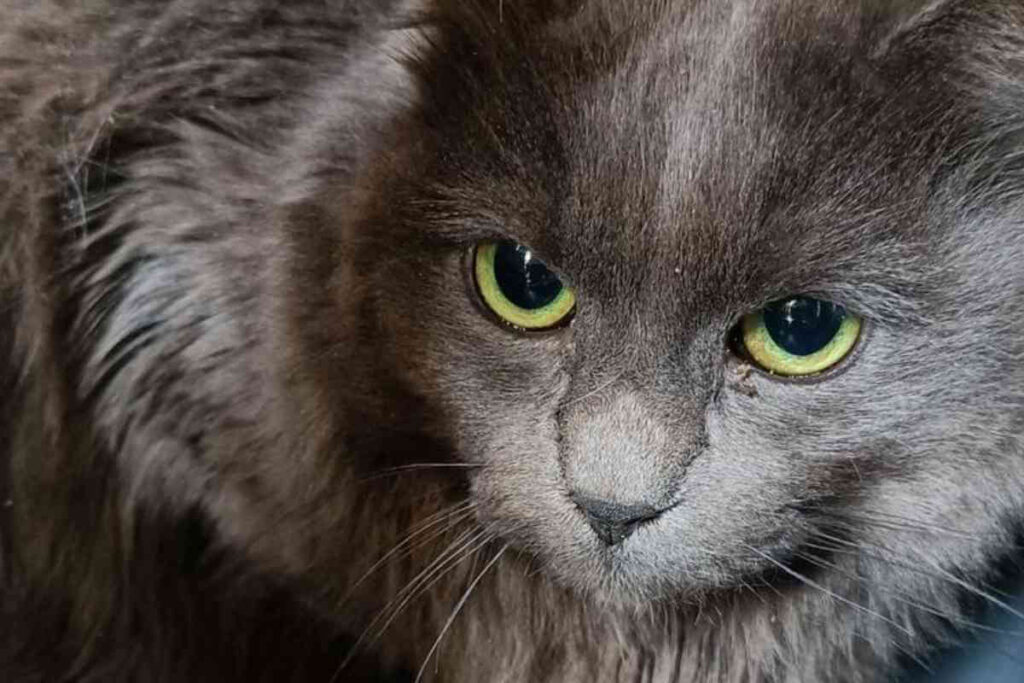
(450, 517)
(457, 609)
(813, 584)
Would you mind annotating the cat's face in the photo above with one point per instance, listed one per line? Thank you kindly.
(677, 181)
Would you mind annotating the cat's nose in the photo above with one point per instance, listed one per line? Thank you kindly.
(614, 522)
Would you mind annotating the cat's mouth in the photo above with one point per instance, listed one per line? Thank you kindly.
(634, 561)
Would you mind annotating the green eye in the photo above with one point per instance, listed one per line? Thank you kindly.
(519, 288)
(799, 335)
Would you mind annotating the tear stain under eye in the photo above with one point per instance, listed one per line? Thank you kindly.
(742, 381)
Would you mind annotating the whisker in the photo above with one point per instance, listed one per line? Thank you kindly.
(898, 523)
(391, 471)
(917, 523)
(427, 579)
(457, 609)
(596, 391)
(813, 584)
(903, 597)
(890, 556)
(467, 550)
(971, 588)
(930, 569)
(437, 568)
(450, 516)
(746, 585)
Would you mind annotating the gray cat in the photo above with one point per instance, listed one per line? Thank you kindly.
(470, 340)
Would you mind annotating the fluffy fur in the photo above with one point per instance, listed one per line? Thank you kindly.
(255, 425)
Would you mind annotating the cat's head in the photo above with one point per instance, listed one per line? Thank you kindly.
(678, 169)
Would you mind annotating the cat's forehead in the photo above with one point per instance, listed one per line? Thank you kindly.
(715, 146)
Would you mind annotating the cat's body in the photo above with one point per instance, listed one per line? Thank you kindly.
(256, 425)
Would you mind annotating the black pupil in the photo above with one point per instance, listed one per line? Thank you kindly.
(802, 325)
(524, 280)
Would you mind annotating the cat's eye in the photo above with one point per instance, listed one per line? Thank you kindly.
(519, 288)
(799, 335)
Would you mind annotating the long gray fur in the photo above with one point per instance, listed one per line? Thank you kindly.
(256, 426)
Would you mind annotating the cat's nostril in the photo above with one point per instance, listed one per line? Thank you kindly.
(614, 522)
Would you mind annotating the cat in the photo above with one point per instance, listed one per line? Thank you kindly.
(471, 340)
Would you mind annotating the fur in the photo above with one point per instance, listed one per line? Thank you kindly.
(255, 425)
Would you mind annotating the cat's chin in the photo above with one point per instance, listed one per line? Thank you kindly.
(626, 591)
(626, 577)
(653, 564)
